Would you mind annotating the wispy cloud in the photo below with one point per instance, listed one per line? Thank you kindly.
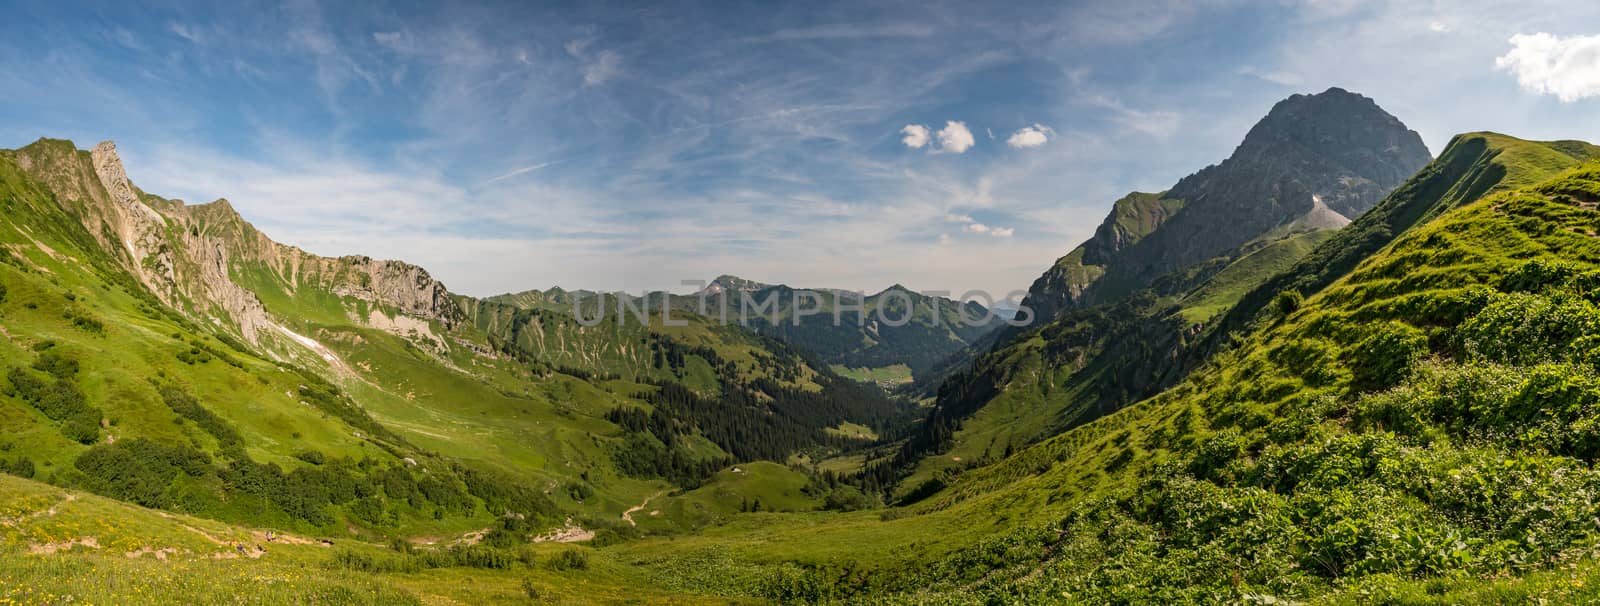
(1158, 124)
(1280, 78)
(522, 171)
(850, 31)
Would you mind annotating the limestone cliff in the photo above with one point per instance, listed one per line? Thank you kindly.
(208, 262)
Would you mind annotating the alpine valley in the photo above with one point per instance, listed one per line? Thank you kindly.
(1331, 368)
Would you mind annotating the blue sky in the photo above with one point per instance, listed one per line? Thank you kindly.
(631, 146)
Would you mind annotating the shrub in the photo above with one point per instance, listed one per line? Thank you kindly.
(570, 559)
(478, 556)
(189, 408)
(1287, 302)
(846, 498)
(56, 365)
(1538, 275)
(138, 470)
(21, 467)
(373, 510)
(1382, 360)
(1521, 328)
(314, 457)
(61, 401)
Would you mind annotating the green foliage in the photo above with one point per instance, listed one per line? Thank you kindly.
(188, 407)
(56, 365)
(1288, 302)
(314, 457)
(1525, 328)
(139, 470)
(570, 559)
(61, 400)
(846, 498)
(21, 467)
(1383, 359)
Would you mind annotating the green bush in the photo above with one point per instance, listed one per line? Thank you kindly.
(188, 407)
(570, 559)
(1521, 328)
(1287, 302)
(60, 400)
(138, 470)
(21, 467)
(56, 365)
(1383, 359)
(314, 457)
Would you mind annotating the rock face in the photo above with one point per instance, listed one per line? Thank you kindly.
(1314, 162)
(192, 257)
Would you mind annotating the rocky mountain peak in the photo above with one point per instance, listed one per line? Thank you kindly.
(1335, 131)
(1313, 162)
(732, 283)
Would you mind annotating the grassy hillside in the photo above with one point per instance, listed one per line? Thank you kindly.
(1424, 417)
(205, 369)
(1417, 432)
(1417, 427)
(1093, 360)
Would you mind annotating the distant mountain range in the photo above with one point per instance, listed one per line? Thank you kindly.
(895, 327)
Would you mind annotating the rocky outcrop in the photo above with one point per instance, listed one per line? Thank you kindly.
(403, 286)
(1313, 162)
(191, 256)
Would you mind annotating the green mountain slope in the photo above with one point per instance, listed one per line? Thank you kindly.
(1310, 164)
(172, 355)
(1120, 314)
(1416, 432)
(1424, 416)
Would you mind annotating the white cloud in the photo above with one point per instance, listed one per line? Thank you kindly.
(596, 67)
(1567, 67)
(187, 32)
(605, 66)
(395, 40)
(1280, 78)
(955, 138)
(916, 136)
(1438, 27)
(998, 232)
(1031, 136)
(953, 218)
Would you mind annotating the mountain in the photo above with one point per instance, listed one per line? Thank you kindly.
(1400, 411)
(1419, 413)
(1316, 413)
(173, 356)
(1118, 313)
(878, 339)
(1313, 163)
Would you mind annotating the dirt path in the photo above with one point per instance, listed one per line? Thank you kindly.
(627, 516)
